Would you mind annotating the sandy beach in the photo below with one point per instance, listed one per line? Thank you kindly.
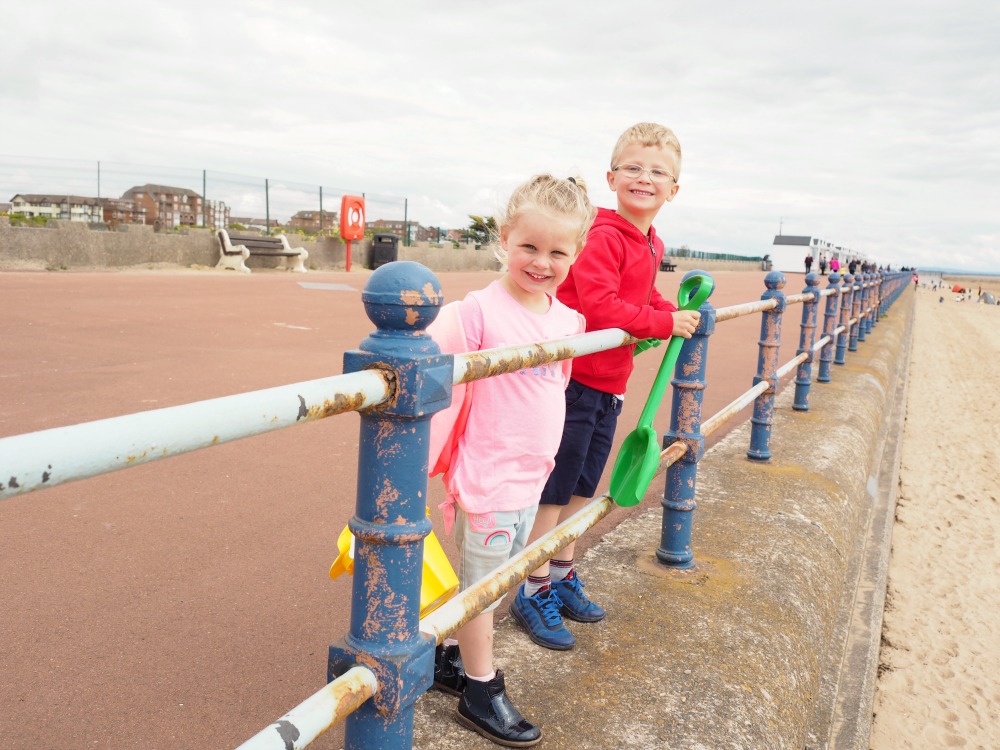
(939, 683)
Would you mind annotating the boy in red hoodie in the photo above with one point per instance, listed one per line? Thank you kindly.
(613, 284)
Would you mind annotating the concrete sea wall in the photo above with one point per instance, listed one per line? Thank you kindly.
(65, 245)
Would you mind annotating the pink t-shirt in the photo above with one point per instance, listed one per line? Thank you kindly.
(515, 420)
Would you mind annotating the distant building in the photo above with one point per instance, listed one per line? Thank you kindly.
(63, 207)
(312, 221)
(417, 233)
(789, 251)
(169, 207)
(119, 211)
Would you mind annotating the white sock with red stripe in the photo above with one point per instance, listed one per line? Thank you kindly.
(534, 584)
(560, 569)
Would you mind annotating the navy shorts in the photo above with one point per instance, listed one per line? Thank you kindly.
(588, 433)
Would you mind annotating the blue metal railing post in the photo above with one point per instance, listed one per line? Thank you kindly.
(855, 314)
(390, 521)
(877, 301)
(685, 426)
(846, 301)
(807, 337)
(863, 307)
(829, 325)
(767, 369)
(871, 297)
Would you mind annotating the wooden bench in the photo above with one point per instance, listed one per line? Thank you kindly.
(236, 248)
(667, 265)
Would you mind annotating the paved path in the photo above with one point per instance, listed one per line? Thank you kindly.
(186, 603)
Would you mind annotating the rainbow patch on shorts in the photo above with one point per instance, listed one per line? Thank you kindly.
(497, 539)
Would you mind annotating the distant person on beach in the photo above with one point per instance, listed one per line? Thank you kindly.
(822, 264)
(809, 261)
(834, 264)
(497, 444)
(614, 285)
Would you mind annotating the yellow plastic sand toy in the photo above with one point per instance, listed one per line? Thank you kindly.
(439, 582)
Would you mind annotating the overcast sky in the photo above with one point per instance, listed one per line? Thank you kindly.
(873, 125)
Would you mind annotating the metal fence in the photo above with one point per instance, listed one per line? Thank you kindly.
(273, 200)
(397, 379)
(686, 252)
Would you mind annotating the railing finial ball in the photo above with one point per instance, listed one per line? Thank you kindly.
(775, 280)
(402, 297)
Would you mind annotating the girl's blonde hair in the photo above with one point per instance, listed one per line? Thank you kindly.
(547, 193)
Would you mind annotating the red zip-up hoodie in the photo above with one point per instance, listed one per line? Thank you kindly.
(613, 284)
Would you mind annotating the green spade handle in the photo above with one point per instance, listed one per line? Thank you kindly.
(694, 290)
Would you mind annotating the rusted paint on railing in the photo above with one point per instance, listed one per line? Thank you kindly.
(863, 306)
(855, 315)
(803, 377)
(681, 481)
(829, 327)
(846, 306)
(310, 719)
(390, 521)
(747, 308)
(797, 299)
(343, 403)
(485, 363)
(767, 369)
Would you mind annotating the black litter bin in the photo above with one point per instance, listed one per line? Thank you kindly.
(385, 249)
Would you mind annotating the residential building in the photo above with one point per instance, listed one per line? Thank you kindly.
(169, 207)
(416, 232)
(64, 207)
(313, 222)
(118, 211)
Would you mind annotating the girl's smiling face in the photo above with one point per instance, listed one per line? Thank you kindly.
(541, 247)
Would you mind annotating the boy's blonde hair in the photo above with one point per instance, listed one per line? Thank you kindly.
(547, 193)
(648, 134)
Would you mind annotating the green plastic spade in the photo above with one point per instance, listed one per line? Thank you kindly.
(639, 456)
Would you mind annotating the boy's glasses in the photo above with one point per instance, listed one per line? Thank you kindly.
(634, 171)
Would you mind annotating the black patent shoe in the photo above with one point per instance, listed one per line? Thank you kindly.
(449, 675)
(485, 708)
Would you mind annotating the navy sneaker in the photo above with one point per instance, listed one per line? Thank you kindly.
(539, 614)
(575, 604)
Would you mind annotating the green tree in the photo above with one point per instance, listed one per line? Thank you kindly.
(482, 230)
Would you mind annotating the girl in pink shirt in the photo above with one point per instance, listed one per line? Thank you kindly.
(496, 463)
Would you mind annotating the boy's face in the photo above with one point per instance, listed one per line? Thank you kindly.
(640, 197)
